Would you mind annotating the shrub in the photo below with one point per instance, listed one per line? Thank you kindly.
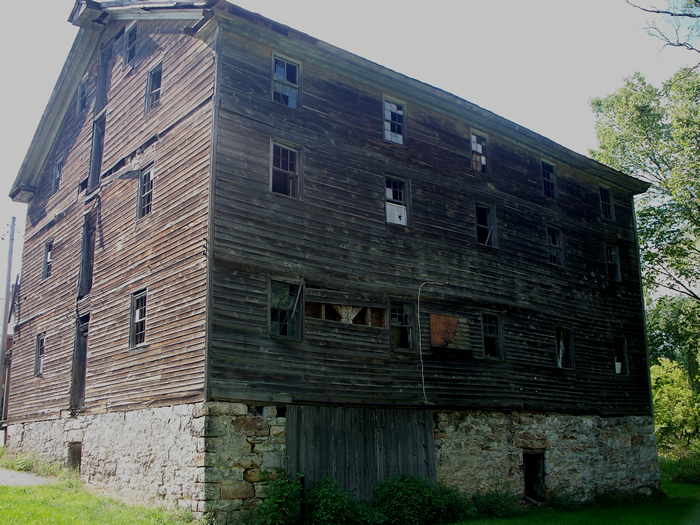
(330, 504)
(411, 500)
(282, 506)
(497, 504)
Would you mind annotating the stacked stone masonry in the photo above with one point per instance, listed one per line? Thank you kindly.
(209, 457)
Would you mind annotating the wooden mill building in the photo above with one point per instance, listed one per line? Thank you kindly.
(246, 248)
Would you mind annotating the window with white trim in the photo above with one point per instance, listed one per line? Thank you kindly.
(394, 121)
(396, 201)
(285, 84)
(137, 326)
(285, 171)
(145, 192)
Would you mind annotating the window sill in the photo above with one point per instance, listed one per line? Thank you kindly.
(139, 348)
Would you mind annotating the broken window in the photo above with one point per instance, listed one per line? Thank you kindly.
(137, 330)
(103, 79)
(285, 171)
(130, 44)
(485, 231)
(48, 259)
(612, 262)
(565, 347)
(285, 309)
(491, 329)
(341, 313)
(401, 325)
(394, 122)
(548, 181)
(554, 245)
(286, 76)
(57, 172)
(606, 204)
(83, 95)
(396, 201)
(621, 356)
(98, 144)
(479, 153)
(39, 354)
(145, 192)
(87, 255)
(153, 91)
(533, 470)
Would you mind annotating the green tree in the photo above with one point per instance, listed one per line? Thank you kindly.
(676, 408)
(654, 134)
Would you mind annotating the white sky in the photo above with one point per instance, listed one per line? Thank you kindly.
(535, 62)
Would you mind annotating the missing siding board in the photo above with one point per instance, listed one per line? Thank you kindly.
(357, 315)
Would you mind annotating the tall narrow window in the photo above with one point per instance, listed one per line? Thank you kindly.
(485, 231)
(39, 355)
(612, 262)
(57, 172)
(285, 84)
(130, 44)
(103, 79)
(83, 95)
(401, 325)
(606, 204)
(153, 91)
(491, 330)
(48, 259)
(396, 201)
(145, 192)
(548, 181)
(87, 255)
(554, 245)
(285, 171)
(98, 144)
(621, 356)
(285, 309)
(137, 329)
(394, 121)
(565, 347)
(479, 153)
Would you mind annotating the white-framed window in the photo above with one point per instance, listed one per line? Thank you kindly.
(153, 89)
(479, 152)
(286, 307)
(394, 121)
(48, 259)
(285, 170)
(555, 246)
(137, 322)
(612, 262)
(549, 184)
(606, 204)
(286, 81)
(565, 347)
(130, 39)
(57, 172)
(145, 194)
(401, 325)
(492, 334)
(485, 215)
(396, 201)
(39, 352)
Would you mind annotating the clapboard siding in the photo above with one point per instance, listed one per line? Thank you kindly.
(335, 237)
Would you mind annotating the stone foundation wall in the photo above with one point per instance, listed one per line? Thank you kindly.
(207, 457)
(583, 455)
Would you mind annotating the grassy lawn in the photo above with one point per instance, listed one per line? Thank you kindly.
(67, 502)
(681, 508)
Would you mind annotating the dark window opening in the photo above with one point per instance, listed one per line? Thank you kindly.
(401, 325)
(83, 95)
(285, 310)
(145, 192)
(533, 470)
(396, 201)
(548, 180)
(621, 356)
(347, 314)
(79, 367)
(48, 259)
(285, 171)
(155, 78)
(606, 204)
(98, 144)
(103, 79)
(479, 153)
(75, 453)
(612, 262)
(484, 225)
(138, 318)
(130, 45)
(565, 347)
(286, 83)
(554, 245)
(40, 351)
(394, 122)
(491, 330)
(57, 172)
(87, 256)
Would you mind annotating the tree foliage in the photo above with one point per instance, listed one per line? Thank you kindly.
(676, 407)
(654, 134)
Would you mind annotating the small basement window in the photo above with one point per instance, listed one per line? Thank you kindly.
(286, 76)
(621, 356)
(396, 201)
(286, 307)
(401, 325)
(479, 153)
(394, 121)
(285, 171)
(485, 231)
(548, 181)
(491, 328)
(565, 347)
(612, 262)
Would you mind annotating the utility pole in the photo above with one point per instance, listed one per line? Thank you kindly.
(5, 315)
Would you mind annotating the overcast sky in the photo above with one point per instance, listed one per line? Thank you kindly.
(535, 62)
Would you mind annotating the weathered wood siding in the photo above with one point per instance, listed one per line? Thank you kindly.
(336, 237)
(164, 252)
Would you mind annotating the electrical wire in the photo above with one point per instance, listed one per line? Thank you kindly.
(420, 339)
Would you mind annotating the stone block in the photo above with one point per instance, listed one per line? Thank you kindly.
(253, 475)
(251, 426)
(637, 440)
(271, 460)
(242, 490)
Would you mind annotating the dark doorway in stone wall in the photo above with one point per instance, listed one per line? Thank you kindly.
(75, 454)
(533, 468)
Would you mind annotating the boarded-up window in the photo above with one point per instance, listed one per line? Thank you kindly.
(443, 329)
